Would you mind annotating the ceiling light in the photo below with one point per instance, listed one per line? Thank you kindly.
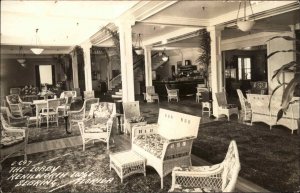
(164, 56)
(21, 58)
(36, 50)
(244, 23)
(138, 45)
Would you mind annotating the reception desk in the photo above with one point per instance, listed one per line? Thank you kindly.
(186, 87)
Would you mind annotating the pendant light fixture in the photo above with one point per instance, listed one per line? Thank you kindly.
(138, 45)
(164, 56)
(21, 58)
(36, 50)
(245, 24)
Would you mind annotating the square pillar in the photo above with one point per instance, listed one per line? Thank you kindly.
(127, 73)
(148, 66)
(216, 65)
(87, 65)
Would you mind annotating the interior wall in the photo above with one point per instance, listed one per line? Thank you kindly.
(14, 75)
(176, 56)
(279, 59)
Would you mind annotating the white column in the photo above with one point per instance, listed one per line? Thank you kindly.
(216, 65)
(148, 66)
(87, 65)
(75, 70)
(126, 59)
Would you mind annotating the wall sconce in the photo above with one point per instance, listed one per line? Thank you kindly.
(36, 50)
(244, 23)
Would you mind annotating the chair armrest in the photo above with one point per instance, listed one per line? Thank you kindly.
(80, 114)
(197, 177)
(26, 103)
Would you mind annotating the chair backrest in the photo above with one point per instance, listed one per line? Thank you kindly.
(175, 125)
(77, 90)
(68, 93)
(221, 98)
(13, 99)
(88, 102)
(52, 104)
(131, 109)
(15, 91)
(88, 94)
(150, 90)
(231, 168)
(241, 98)
(102, 110)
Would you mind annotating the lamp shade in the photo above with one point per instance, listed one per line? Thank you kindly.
(21, 60)
(139, 51)
(37, 51)
(245, 25)
(165, 58)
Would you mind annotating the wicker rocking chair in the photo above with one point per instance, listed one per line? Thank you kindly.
(216, 178)
(245, 106)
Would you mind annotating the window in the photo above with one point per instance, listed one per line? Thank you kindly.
(46, 74)
(244, 65)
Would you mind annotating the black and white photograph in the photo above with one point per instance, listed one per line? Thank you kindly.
(149, 96)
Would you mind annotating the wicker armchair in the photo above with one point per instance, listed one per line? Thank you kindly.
(216, 178)
(132, 116)
(98, 125)
(17, 106)
(245, 106)
(224, 108)
(150, 94)
(12, 120)
(80, 115)
(13, 140)
(172, 93)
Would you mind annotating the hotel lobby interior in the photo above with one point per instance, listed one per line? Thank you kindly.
(150, 96)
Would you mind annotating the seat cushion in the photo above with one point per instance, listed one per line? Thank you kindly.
(9, 138)
(136, 119)
(98, 128)
(152, 143)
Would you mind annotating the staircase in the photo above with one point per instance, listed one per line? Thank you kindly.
(116, 82)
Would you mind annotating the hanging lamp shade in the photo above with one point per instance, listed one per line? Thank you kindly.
(245, 23)
(21, 58)
(164, 56)
(138, 45)
(36, 50)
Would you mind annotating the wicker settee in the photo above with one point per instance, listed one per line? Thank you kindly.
(168, 143)
(262, 113)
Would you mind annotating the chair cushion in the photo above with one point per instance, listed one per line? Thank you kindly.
(98, 128)
(14, 99)
(9, 138)
(136, 119)
(152, 143)
(100, 110)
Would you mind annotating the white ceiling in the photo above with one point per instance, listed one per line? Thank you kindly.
(64, 24)
(60, 23)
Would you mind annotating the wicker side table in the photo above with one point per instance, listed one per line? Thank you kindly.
(127, 163)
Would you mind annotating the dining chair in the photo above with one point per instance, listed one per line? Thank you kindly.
(50, 113)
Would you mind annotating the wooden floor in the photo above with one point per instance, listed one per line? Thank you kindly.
(123, 141)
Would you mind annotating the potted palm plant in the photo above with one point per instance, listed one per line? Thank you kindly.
(293, 84)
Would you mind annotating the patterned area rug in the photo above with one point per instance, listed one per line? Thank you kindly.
(268, 158)
(72, 170)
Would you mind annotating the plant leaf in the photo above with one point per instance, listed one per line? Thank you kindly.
(282, 69)
(279, 51)
(279, 115)
(289, 38)
(277, 87)
(288, 94)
